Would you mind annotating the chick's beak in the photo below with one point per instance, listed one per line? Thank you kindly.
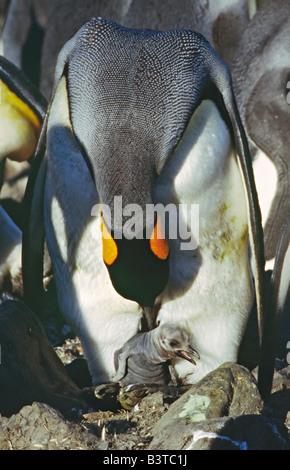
(188, 354)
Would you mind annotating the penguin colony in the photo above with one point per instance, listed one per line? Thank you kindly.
(151, 117)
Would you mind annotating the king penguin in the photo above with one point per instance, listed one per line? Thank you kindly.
(22, 110)
(146, 117)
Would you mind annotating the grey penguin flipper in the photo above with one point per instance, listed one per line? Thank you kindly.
(121, 360)
(254, 217)
(122, 365)
(33, 228)
(245, 165)
(278, 303)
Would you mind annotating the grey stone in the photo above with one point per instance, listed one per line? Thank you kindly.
(230, 390)
(221, 411)
(248, 432)
(40, 427)
(152, 401)
(30, 369)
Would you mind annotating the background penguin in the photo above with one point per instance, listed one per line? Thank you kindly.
(22, 111)
(23, 34)
(150, 116)
(263, 53)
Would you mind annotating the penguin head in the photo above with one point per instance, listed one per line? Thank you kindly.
(173, 342)
(22, 111)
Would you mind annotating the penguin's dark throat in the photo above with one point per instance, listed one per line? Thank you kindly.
(137, 273)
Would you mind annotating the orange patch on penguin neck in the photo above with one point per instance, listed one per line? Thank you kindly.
(158, 243)
(20, 106)
(110, 249)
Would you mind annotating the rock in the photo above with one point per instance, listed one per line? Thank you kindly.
(130, 396)
(230, 390)
(248, 432)
(30, 369)
(40, 427)
(281, 379)
(278, 404)
(128, 430)
(224, 403)
(152, 401)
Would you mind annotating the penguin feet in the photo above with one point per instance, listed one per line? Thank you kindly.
(108, 391)
(104, 397)
(130, 395)
(114, 394)
(126, 396)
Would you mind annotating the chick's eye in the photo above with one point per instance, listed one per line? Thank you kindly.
(173, 344)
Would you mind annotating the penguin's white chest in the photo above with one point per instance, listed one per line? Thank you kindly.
(210, 289)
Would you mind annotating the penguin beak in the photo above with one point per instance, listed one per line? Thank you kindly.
(188, 354)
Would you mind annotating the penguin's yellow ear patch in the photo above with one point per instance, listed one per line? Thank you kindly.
(20, 126)
(19, 105)
(158, 243)
(110, 249)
